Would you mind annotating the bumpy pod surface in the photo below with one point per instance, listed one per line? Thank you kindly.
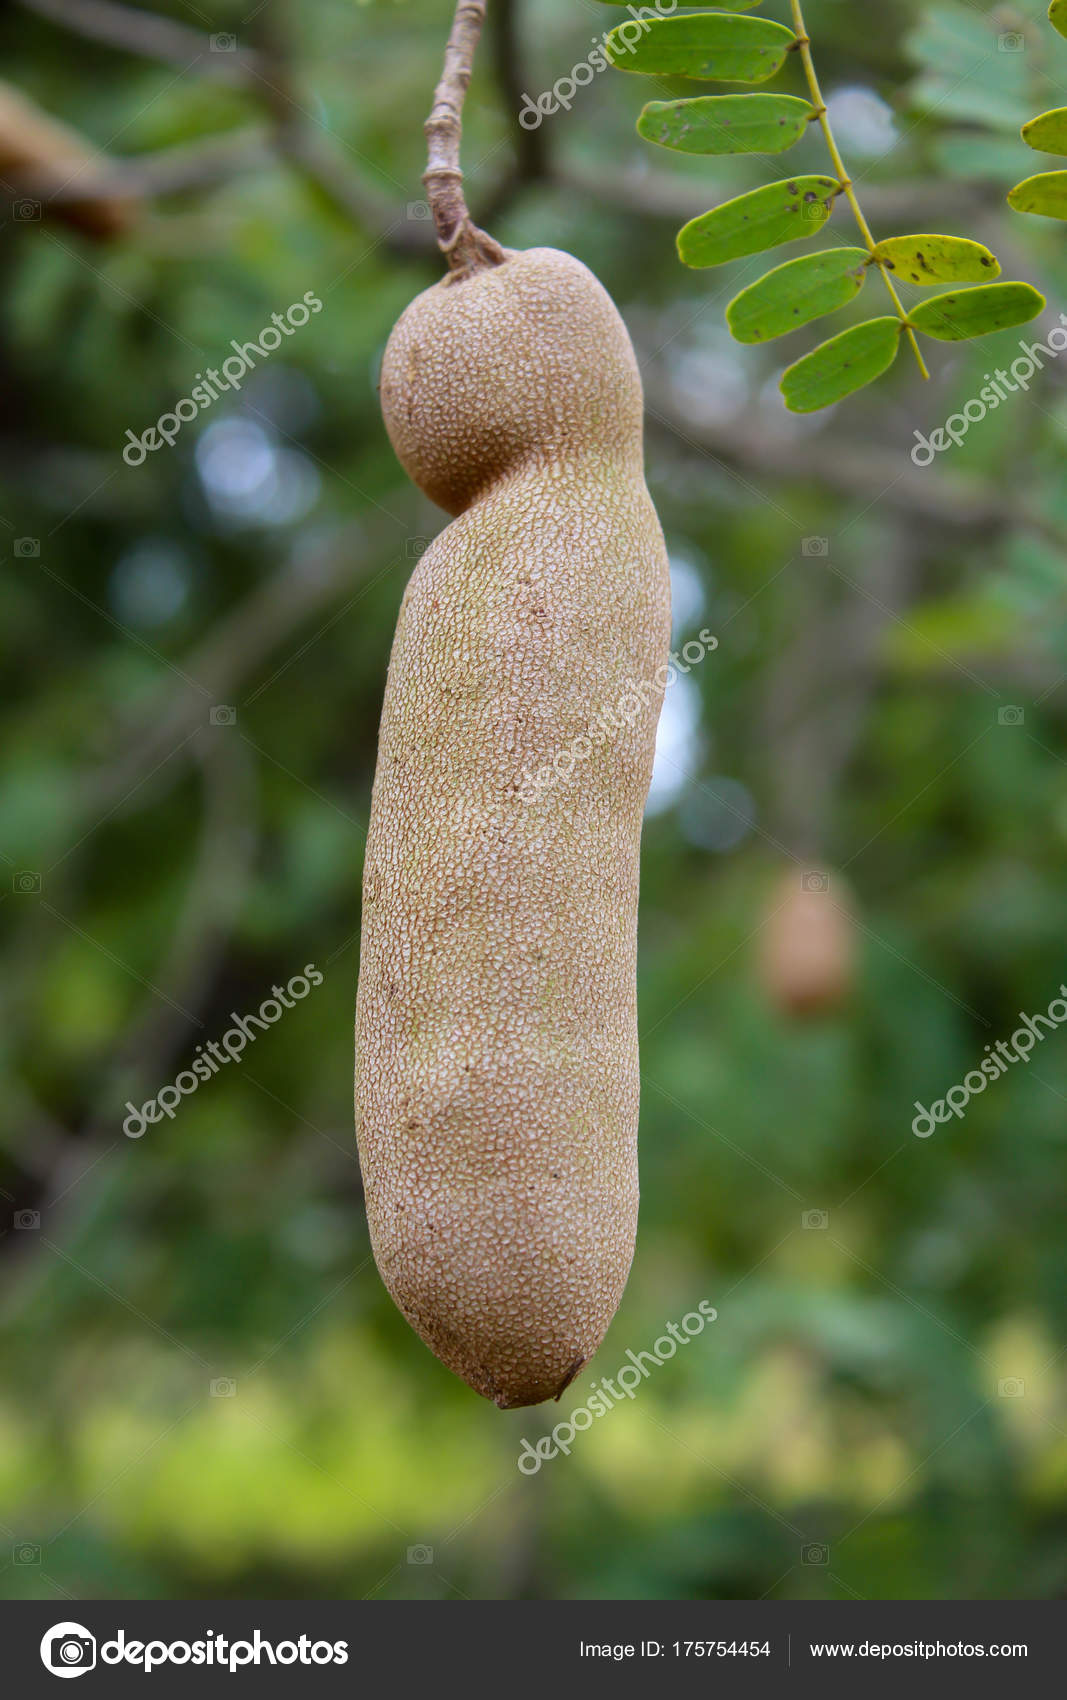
(496, 1032)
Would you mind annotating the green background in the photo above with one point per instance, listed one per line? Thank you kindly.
(843, 1429)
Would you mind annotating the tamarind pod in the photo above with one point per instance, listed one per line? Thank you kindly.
(496, 1036)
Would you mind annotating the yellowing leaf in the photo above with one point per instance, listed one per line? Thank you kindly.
(1045, 194)
(938, 259)
(1048, 132)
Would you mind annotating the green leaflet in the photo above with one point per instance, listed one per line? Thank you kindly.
(844, 364)
(1057, 16)
(715, 45)
(964, 313)
(797, 292)
(726, 123)
(1045, 194)
(1048, 132)
(781, 212)
(938, 259)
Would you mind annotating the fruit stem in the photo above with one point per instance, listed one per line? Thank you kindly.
(464, 246)
(819, 108)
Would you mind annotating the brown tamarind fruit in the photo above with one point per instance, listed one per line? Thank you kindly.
(496, 1032)
(807, 954)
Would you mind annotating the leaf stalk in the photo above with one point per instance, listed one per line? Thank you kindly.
(803, 42)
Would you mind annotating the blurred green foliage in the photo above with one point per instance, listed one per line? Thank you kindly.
(875, 620)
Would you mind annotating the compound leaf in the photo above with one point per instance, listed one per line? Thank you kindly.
(964, 313)
(1057, 16)
(715, 45)
(726, 123)
(764, 218)
(797, 292)
(1048, 132)
(1046, 194)
(844, 364)
(938, 259)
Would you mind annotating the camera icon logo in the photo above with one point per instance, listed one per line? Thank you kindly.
(27, 548)
(815, 881)
(816, 1552)
(224, 43)
(25, 1552)
(419, 210)
(224, 1387)
(420, 1555)
(26, 883)
(223, 714)
(416, 546)
(1011, 715)
(27, 1218)
(27, 211)
(1011, 1387)
(1011, 41)
(815, 1219)
(812, 546)
(68, 1649)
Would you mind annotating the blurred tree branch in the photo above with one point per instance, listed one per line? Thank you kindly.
(871, 473)
(265, 74)
(149, 36)
(297, 135)
(834, 462)
(532, 160)
(820, 692)
(168, 171)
